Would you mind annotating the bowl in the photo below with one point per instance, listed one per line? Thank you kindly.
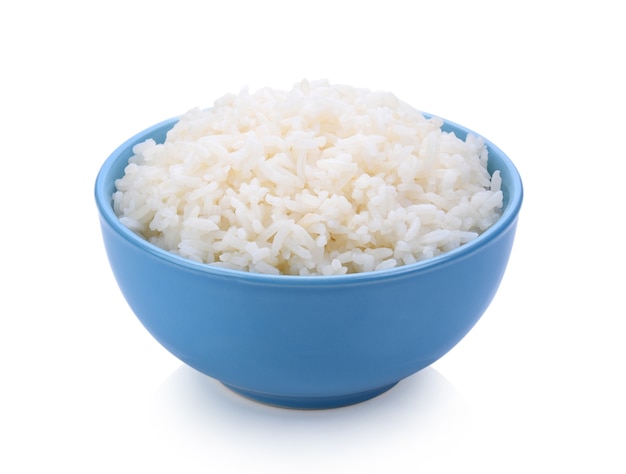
(307, 342)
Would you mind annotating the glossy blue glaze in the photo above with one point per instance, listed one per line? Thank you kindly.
(307, 342)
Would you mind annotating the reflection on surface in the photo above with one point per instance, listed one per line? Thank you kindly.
(423, 407)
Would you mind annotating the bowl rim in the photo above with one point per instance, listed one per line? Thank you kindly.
(513, 200)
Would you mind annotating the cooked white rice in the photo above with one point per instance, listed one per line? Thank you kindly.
(320, 180)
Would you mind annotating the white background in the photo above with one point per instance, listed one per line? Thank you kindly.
(537, 386)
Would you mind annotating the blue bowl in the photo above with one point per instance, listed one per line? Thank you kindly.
(307, 341)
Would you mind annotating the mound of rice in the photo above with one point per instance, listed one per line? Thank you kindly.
(319, 180)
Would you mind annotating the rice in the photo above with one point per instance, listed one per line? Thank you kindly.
(319, 180)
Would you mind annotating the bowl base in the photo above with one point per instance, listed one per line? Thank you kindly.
(310, 403)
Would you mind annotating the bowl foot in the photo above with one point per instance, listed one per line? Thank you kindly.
(310, 403)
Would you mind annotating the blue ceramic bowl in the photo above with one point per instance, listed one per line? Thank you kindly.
(307, 342)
